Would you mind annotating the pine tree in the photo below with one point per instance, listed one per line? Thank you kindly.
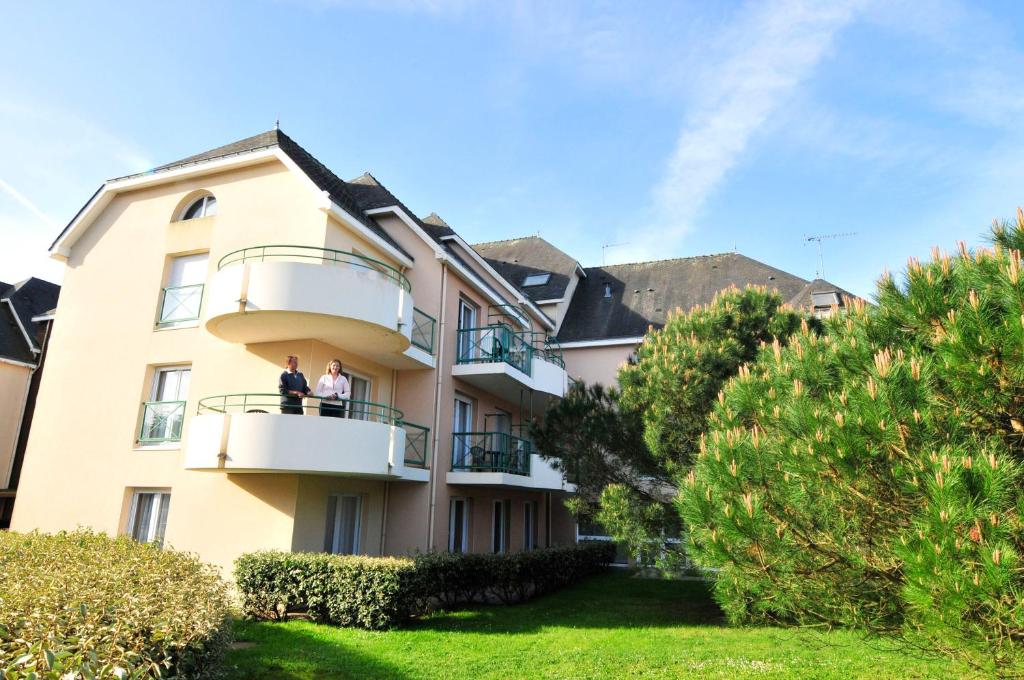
(871, 476)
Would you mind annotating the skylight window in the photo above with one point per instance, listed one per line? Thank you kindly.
(537, 279)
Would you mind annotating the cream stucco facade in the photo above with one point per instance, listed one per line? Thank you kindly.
(226, 472)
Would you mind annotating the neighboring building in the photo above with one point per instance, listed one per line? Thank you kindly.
(188, 285)
(602, 313)
(26, 314)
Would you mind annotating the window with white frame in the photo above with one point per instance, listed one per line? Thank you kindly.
(500, 526)
(147, 515)
(183, 295)
(529, 525)
(204, 206)
(164, 413)
(466, 345)
(344, 517)
(458, 525)
(536, 279)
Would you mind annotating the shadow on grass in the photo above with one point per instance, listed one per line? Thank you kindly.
(614, 600)
(300, 651)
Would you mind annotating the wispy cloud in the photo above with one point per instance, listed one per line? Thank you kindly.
(769, 51)
(26, 203)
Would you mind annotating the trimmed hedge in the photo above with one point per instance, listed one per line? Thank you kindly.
(84, 605)
(384, 592)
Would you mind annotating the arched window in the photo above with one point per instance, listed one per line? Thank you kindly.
(204, 206)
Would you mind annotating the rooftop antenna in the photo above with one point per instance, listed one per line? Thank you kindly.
(604, 251)
(818, 238)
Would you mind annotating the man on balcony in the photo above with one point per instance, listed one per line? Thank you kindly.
(293, 387)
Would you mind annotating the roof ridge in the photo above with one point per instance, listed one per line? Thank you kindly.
(514, 238)
(673, 259)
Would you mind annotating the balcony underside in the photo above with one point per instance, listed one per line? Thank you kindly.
(278, 443)
(542, 477)
(504, 380)
(358, 309)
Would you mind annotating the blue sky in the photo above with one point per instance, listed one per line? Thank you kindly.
(672, 128)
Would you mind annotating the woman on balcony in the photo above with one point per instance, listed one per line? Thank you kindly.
(333, 389)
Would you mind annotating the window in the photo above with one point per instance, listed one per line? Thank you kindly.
(205, 206)
(360, 392)
(147, 516)
(529, 525)
(536, 279)
(607, 289)
(458, 525)
(462, 427)
(344, 513)
(164, 413)
(824, 301)
(499, 526)
(467, 320)
(183, 295)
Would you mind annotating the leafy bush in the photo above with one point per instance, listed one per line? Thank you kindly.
(84, 605)
(872, 477)
(384, 592)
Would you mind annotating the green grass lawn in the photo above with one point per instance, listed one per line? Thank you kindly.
(612, 626)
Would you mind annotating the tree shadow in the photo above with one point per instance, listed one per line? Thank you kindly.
(618, 599)
(299, 651)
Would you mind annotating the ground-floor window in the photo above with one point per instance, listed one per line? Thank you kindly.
(344, 513)
(147, 516)
(529, 525)
(458, 525)
(499, 526)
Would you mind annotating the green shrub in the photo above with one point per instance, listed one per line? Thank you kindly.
(384, 592)
(82, 604)
(346, 590)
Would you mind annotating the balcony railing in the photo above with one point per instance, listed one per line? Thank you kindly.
(491, 344)
(317, 256)
(499, 342)
(490, 452)
(161, 422)
(417, 445)
(423, 330)
(276, 403)
(181, 304)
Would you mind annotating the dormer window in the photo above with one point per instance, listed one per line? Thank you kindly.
(537, 279)
(204, 206)
(823, 302)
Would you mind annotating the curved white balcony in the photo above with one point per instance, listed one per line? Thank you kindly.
(278, 293)
(248, 433)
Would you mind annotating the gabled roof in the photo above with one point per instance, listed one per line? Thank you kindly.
(518, 258)
(643, 293)
(19, 303)
(325, 180)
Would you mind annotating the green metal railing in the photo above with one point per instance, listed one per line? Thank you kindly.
(277, 403)
(417, 445)
(319, 255)
(490, 452)
(161, 421)
(546, 347)
(181, 304)
(494, 343)
(423, 330)
(498, 342)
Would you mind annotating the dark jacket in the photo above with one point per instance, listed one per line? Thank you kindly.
(288, 382)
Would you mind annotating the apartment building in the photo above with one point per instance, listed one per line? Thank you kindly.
(26, 315)
(186, 287)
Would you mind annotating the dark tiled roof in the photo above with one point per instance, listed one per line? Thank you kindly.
(339, 191)
(517, 258)
(29, 298)
(642, 294)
